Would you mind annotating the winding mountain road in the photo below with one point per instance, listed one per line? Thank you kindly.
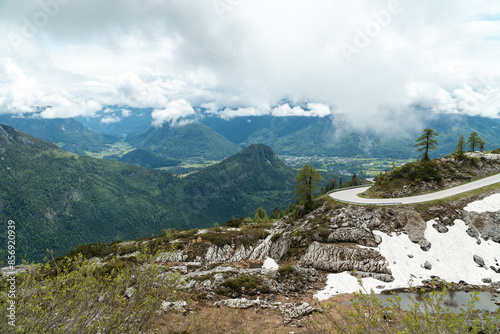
(351, 195)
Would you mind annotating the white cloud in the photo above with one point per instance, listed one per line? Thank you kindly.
(126, 113)
(68, 109)
(110, 119)
(176, 113)
(442, 56)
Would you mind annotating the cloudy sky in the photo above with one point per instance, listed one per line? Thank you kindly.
(366, 59)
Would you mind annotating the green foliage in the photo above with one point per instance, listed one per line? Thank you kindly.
(249, 283)
(81, 298)
(460, 149)
(331, 185)
(306, 181)
(474, 141)
(146, 159)
(416, 172)
(426, 142)
(276, 214)
(276, 237)
(235, 222)
(81, 200)
(91, 250)
(72, 135)
(496, 151)
(412, 174)
(219, 239)
(193, 140)
(260, 214)
(285, 272)
(355, 181)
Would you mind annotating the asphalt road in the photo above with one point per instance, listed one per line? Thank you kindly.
(351, 195)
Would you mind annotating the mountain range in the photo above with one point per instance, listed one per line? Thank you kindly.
(60, 200)
(213, 139)
(67, 133)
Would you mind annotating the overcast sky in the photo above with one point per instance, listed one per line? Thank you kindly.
(373, 61)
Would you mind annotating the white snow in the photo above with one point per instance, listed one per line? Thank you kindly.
(270, 264)
(489, 204)
(451, 256)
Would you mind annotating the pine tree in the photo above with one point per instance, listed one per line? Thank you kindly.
(260, 214)
(481, 145)
(307, 180)
(276, 214)
(426, 142)
(460, 150)
(474, 140)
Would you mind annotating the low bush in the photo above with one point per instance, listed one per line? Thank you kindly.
(79, 299)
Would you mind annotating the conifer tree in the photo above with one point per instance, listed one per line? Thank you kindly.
(426, 142)
(474, 140)
(460, 150)
(260, 214)
(307, 180)
(481, 145)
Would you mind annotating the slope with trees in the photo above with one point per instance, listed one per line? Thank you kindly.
(60, 200)
(193, 140)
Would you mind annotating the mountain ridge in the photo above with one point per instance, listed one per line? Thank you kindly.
(67, 199)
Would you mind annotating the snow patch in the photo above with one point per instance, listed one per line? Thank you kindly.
(451, 256)
(270, 264)
(489, 204)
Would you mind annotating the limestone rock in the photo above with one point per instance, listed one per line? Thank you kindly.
(292, 311)
(243, 303)
(129, 292)
(354, 235)
(427, 265)
(179, 306)
(425, 245)
(338, 259)
(479, 260)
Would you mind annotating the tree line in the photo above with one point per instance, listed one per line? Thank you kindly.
(427, 142)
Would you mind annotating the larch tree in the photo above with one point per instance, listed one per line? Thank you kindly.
(481, 145)
(306, 182)
(474, 140)
(426, 142)
(460, 149)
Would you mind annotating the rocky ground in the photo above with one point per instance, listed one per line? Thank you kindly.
(281, 265)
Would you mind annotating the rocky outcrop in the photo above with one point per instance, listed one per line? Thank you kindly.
(179, 306)
(352, 235)
(486, 224)
(337, 259)
(290, 311)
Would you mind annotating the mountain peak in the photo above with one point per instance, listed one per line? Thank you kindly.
(259, 151)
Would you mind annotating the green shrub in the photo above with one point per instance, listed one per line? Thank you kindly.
(275, 237)
(79, 299)
(248, 282)
(285, 272)
(90, 251)
(235, 223)
(218, 239)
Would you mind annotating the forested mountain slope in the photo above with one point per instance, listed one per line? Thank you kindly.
(60, 200)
